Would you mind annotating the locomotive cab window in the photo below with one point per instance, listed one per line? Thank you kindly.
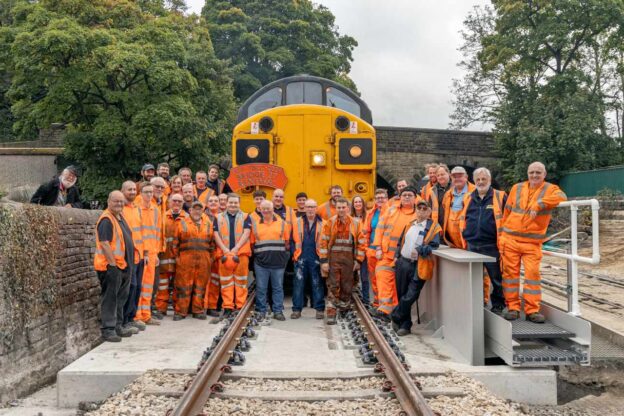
(304, 93)
(269, 99)
(338, 99)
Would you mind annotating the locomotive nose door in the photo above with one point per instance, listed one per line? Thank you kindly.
(302, 141)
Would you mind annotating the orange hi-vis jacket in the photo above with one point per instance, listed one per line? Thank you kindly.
(291, 216)
(298, 233)
(425, 192)
(269, 237)
(223, 222)
(167, 262)
(117, 244)
(326, 210)
(498, 198)
(451, 225)
(151, 229)
(132, 217)
(191, 239)
(390, 227)
(434, 203)
(425, 264)
(356, 242)
(522, 199)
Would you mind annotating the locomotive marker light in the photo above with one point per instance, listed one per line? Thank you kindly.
(355, 151)
(253, 152)
(318, 159)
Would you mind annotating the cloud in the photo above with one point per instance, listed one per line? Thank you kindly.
(406, 58)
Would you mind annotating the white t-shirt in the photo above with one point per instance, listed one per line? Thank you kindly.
(413, 238)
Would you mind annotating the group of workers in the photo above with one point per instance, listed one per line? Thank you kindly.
(167, 239)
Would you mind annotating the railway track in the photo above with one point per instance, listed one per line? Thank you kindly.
(398, 381)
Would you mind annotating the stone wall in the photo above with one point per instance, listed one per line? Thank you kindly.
(402, 152)
(27, 167)
(48, 294)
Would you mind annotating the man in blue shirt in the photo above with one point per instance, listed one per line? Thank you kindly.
(483, 215)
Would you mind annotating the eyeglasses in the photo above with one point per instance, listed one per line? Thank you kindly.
(422, 208)
(380, 197)
(158, 186)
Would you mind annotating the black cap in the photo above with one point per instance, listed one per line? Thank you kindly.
(422, 202)
(147, 166)
(409, 188)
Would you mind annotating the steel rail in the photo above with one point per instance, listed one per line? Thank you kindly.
(408, 394)
(198, 393)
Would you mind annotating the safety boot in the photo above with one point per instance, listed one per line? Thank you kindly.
(202, 316)
(110, 336)
(279, 316)
(227, 313)
(497, 309)
(123, 332)
(158, 315)
(151, 321)
(178, 317)
(402, 332)
(131, 328)
(213, 312)
(320, 315)
(295, 315)
(536, 318)
(511, 315)
(331, 316)
(138, 324)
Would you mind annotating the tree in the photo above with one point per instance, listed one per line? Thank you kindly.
(133, 81)
(536, 70)
(268, 40)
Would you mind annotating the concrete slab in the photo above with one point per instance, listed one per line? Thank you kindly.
(535, 386)
(110, 366)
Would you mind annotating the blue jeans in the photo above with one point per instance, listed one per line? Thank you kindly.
(276, 276)
(130, 307)
(308, 269)
(364, 281)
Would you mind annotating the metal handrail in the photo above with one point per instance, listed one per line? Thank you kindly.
(573, 258)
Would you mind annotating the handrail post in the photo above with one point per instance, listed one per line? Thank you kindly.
(573, 303)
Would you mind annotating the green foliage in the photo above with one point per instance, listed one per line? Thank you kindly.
(134, 81)
(548, 76)
(269, 40)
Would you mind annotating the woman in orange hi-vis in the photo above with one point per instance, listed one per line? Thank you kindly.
(192, 247)
(525, 222)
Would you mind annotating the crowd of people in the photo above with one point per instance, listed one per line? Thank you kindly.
(171, 239)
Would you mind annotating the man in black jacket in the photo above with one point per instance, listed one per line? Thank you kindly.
(60, 191)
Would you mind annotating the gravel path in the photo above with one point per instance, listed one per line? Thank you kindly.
(259, 384)
(478, 401)
(219, 407)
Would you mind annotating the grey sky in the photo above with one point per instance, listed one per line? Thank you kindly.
(406, 57)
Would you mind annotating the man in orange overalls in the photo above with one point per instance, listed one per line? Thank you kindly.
(390, 227)
(192, 245)
(167, 266)
(341, 253)
(525, 222)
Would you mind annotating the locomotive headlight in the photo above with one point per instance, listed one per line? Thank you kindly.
(252, 152)
(355, 151)
(318, 158)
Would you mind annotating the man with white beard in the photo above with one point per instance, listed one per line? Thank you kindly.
(480, 226)
(60, 191)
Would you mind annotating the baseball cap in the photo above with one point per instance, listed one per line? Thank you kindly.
(458, 169)
(147, 166)
(422, 202)
(197, 203)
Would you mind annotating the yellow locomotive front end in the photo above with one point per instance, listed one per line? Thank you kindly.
(303, 147)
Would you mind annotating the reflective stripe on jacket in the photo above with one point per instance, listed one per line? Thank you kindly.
(326, 210)
(522, 199)
(223, 223)
(299, 232)
(356, 242)
(390, 227)
(133, 219)
(117, 244)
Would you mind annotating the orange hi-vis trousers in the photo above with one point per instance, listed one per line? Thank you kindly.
(386, 284)
(144, 308)
(513, 253)
(214, 287)
(371, 264)
(234, 285)
(164, 285)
